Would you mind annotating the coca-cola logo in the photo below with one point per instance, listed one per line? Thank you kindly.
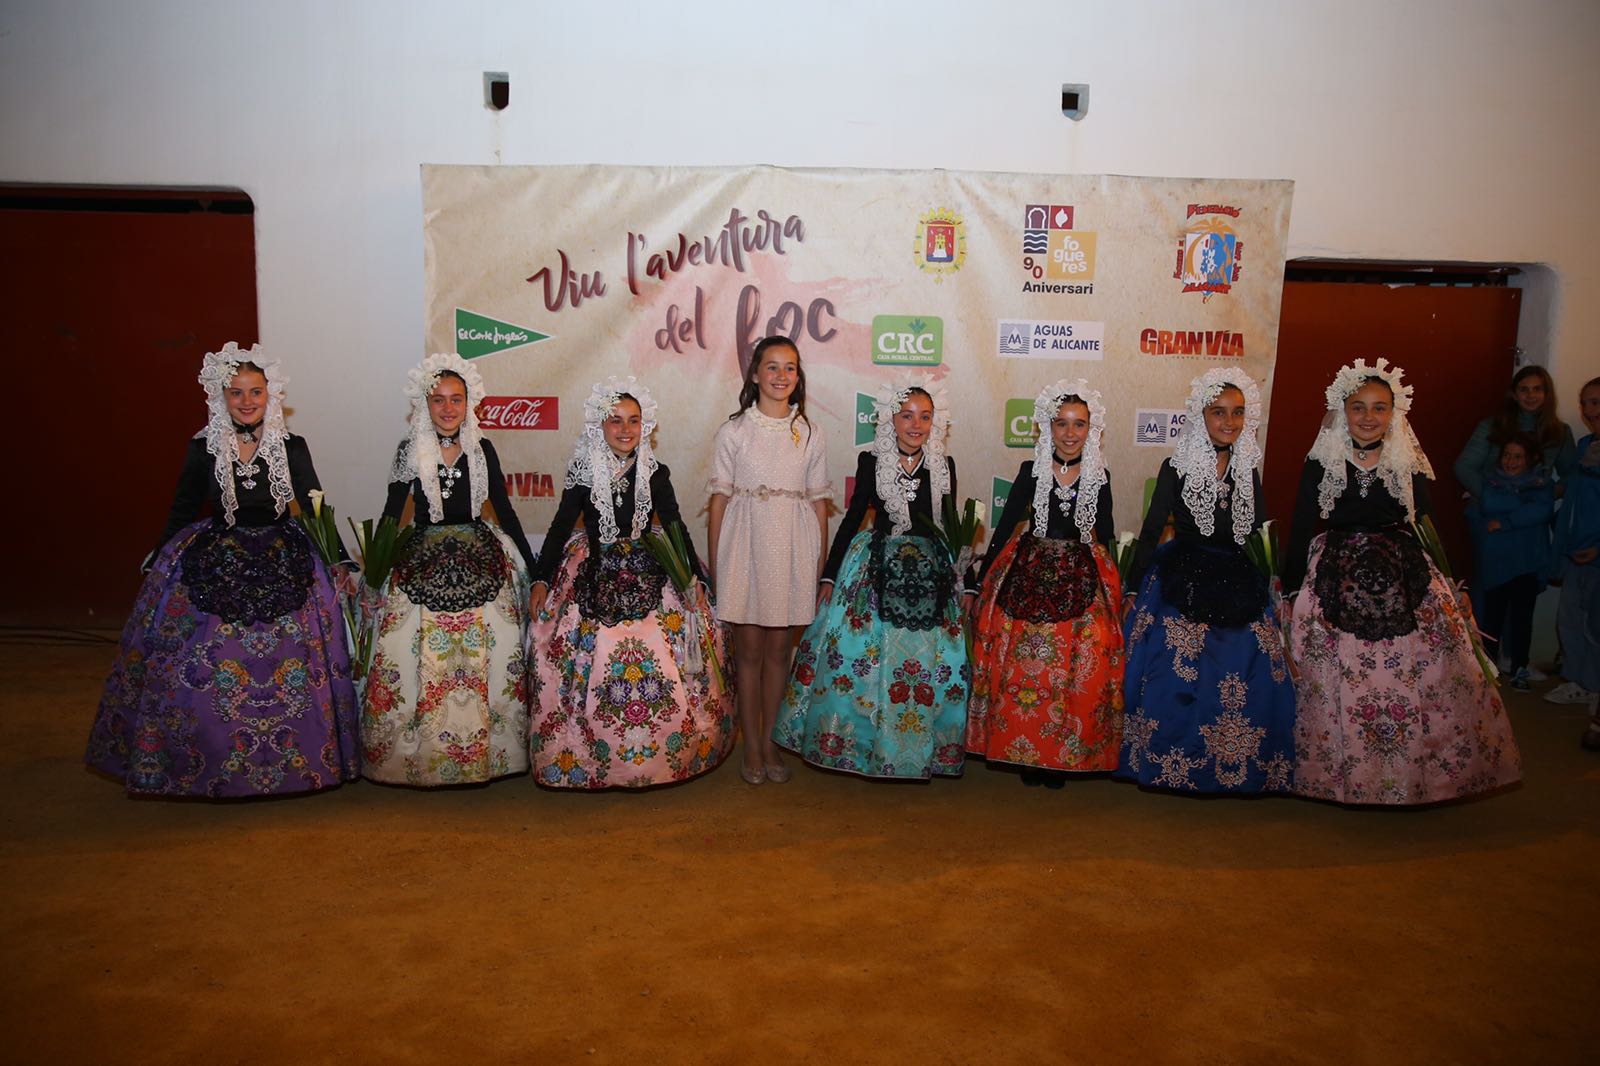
(520, 412)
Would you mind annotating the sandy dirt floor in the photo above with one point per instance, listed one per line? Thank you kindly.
(828, 920)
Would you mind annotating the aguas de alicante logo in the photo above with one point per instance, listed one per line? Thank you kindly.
(941, 245)
(1058, 257)
(1210, 253)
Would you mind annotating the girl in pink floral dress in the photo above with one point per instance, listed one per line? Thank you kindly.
(625, 696)
(1392, 705)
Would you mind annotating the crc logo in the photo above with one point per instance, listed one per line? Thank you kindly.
(866, 422)
(1019, 423)
(907, 340)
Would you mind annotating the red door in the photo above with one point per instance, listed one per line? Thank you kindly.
(108, 300)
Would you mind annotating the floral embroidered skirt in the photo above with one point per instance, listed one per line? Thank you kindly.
(1210, 704)
(446, 696)
(233, 678)
(625, 695)
(1047, 681)
(1392, 706)
(880, 680)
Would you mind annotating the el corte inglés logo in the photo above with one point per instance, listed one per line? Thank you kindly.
(479, 335)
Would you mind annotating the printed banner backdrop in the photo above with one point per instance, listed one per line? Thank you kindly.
(553, 278)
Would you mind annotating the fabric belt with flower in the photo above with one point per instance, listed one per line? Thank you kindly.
(762, 492)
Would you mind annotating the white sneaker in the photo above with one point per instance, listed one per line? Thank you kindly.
(1536, 675)
(1569, 692)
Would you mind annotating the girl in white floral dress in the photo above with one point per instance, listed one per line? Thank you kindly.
(446, 700)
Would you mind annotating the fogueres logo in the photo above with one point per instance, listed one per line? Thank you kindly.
(1053, 251)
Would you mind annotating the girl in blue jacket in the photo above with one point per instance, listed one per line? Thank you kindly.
(1577, 556)
(1514, 556)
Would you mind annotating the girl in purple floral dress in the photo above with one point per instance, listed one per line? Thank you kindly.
(234, 676)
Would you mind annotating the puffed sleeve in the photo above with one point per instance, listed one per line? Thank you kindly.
(817, 485)
(1306, 516)
(1421, 496)
(1162, 501)
(573, 501)
(303, 479)
(503, 510)
(394, 504)
(724, 449)
(194, 485)
(664, 501)
(955, 496)
(1105, 523)
(860, 500)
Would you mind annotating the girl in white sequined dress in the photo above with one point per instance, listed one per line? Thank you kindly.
(768, 523)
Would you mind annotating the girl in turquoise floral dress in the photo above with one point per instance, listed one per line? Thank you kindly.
(880, 681)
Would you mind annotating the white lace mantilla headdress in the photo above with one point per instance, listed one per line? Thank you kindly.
(886, 450)
(1195, 458)
(1401, 456)
(594, 464)
(220, 368)
(419, 456)
(1092, 469)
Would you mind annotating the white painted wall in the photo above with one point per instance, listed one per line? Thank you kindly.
(1414, 129)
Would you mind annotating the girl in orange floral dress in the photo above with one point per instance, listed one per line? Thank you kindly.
(1048, 662)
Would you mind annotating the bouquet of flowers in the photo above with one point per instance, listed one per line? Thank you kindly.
(670, 549)
(1264, 550)
(322, 529)
(378, 547)
(960, 532)
(959, 537)
(1122, 553)
(1262, 547)
(1428, 536)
